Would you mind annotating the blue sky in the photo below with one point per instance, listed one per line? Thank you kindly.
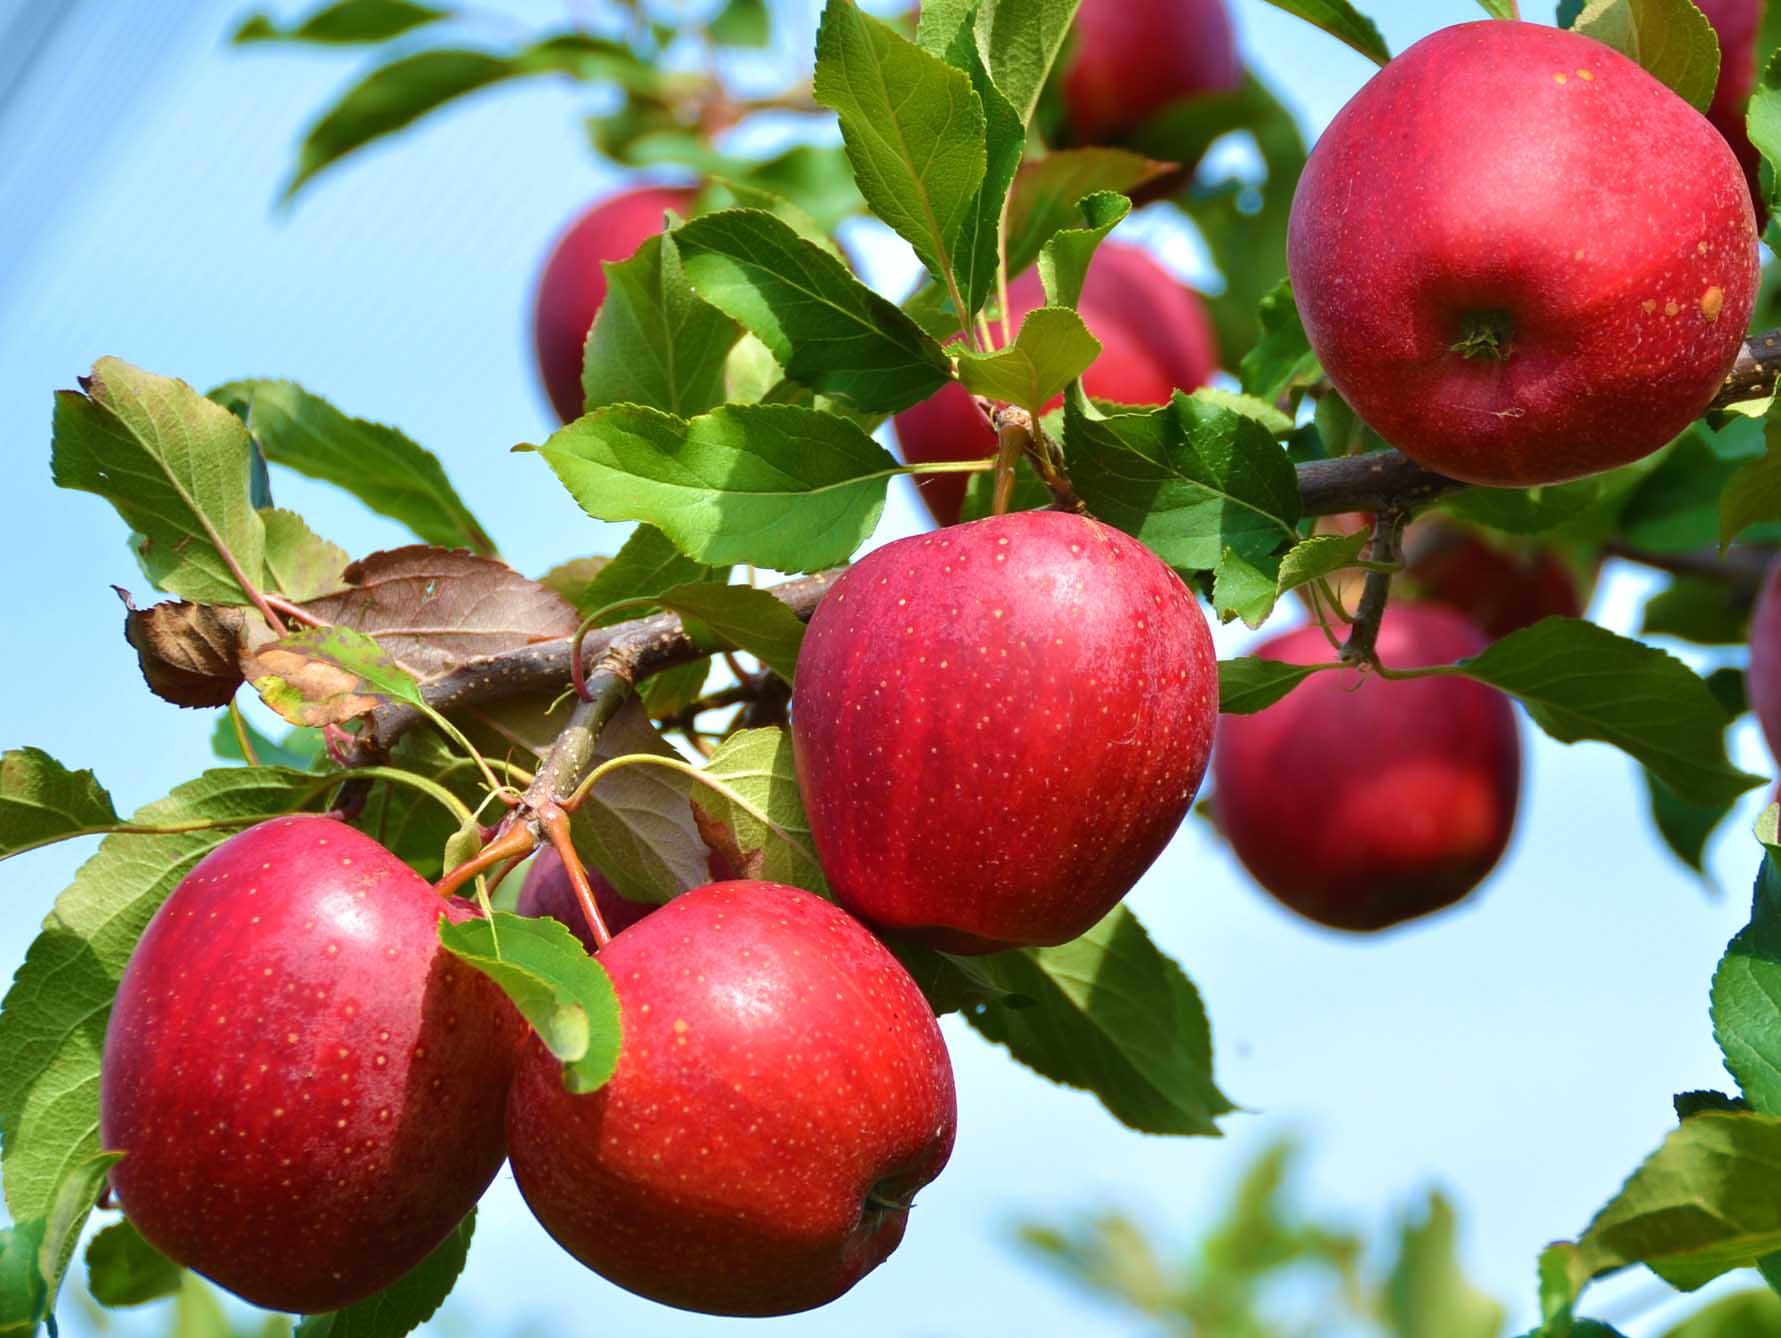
(1519, 1051)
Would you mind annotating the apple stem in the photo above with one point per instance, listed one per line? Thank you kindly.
(556, 828)
(1361, 648)
(518, 839)
(1014, 436)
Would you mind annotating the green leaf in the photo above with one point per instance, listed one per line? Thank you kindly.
(1675, 505)
(123, 1269)
(1065, 257)
(1581, 681)
(979, 249)
(345, 21)
(1190, 480)
(1248, 683)
(648, 564)
(1020, 41)
(24, 1294)
(41, 802)
(823, 326)
(1530, 510)
(1244, 589)
(175, 467)
(1685, 827)
(1568, 10)
(398, 94)
(406, 1303)
(789, 488)
(1706, 1202)
(1753, 494)
(1113, 1015)
(1671, 39)
(1751, 1314)
(1045, 191)
(1340, 20)
(748, 619)
(757, 765)
(914, 129)
(1427, 1293)
(1500, 9)
(741, 23)
(300, 564)
(1747, 996)
(1707, 612)
(1051, 350)
(1319, 556)
(565, 994)
(1283, 357)
(52, 1023)
(70, 1206)
(654, 342)
(327, 675)
(377, 464)
(1763, 119)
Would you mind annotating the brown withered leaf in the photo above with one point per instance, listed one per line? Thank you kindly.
(432, 609)
(326, 676)
(188, 652)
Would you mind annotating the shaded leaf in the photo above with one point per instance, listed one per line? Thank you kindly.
(123, 1269)
(42, 801)
(1671, 39)
(189, 653)
(1248, 683)
(1046, 189)
(405, 1304)
(300, 564)
(757, 764)
(1341, 20)
(344, 21)
(748, 619)
(1747, 996)
(1283, 357)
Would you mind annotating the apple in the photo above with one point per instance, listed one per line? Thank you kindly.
(1520, 299)
(1155, 336)
(307, 1089)
(782, 1092)
(573, 284)
(999, 725)
(1763, 685)
(548, 891)
(1359, 801)
(1130, 59)
(1737, 23)
(1500, 589)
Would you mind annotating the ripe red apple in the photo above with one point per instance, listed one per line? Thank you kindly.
(1737, 23)
(1499, 589)
(782, 1092)
(1763, 686)
(1155, 336)
(306, 1088)
(1359, 801)
(1129, 59)
(998, 727)
(548, 891)
(1521, 299)
(573, 284)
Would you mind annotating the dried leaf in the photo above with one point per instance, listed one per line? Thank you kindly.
(189, 653)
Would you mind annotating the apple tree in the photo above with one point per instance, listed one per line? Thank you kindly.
(652, 874)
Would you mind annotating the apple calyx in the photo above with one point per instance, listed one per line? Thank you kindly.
(1486, 335)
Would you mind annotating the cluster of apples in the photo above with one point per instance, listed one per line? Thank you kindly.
(998, 726)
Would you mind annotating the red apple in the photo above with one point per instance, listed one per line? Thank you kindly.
(998, 727)
(573, 284)
(307, 1089)
(1763, 686)
(1499, 589)
(782, 1092)
(1737, 23)
(1129, 59)
(1155, 336)
(1518, 299)
(1360, 801)
(547, 891)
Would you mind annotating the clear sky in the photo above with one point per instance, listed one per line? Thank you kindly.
(1519, 1051)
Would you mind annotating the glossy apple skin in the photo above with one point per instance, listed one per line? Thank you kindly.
(573, 284)
(1764, 682)
(307, 1089)
(998, 726)
(782, 1092)
(1737, 24)
(1129, 59)
(1605, 224)
(1362, 802)
(548, 891)
(1156, 338)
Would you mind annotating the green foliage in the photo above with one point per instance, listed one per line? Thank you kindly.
(345, 21)
(1747, 996)
(1341, 20)
(742, 618)
(405, 1304)
(123, 1269)
(1282, 357)
(1064, 258)
(1671, 38)
(377, 464)
(41, 801)
(1111, 1014)
(1046, 190)
(1052, 349)
(825, 328)
(759, 826)
(654, 342)
(1249, 683)
(565, 994)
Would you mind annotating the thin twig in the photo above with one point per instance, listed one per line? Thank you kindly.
(1362, 646)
